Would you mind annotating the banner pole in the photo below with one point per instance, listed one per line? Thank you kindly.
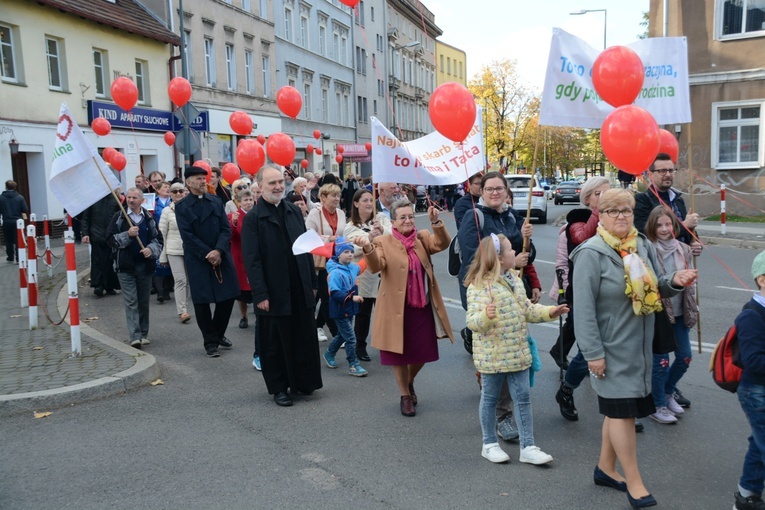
(527, 240)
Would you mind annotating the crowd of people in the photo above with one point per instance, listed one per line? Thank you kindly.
(627, 259)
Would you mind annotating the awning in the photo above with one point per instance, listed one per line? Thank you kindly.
(353, 150)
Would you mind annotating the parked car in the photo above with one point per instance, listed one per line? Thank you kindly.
(568, 191)
(519, 184)
(550, 191)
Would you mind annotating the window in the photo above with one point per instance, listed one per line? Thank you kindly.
(442, 64)
(361, 60)
(344, 48)
(288, 23)
(53, 53)
(411, 71)
(372, 13)
(361, 107)
(338, 106)
(307, 101)
(323, 40)
(101, 71)
(230, 67)
(142, 81)
(264, 9)
(358, 109)
(403, 69)
(738, 133)
(266, 76)
(209, 62)
(374, 107)
(358, 14)
(246, 5)
(374, 61)
(741, 18)
(324, 105)
(189, 55)
(460, 69)
(304, 27)
(380, 88)
(448, 65)
(249, 72)
(291, 82)
(8, 50)
(346, 117)
(336, 46)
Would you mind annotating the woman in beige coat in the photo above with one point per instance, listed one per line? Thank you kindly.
(410, 314)
(172, 251)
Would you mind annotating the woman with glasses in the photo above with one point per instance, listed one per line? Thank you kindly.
(246, 201)
(237, 187)
(172, 251)
(617, 294)
(410, 315)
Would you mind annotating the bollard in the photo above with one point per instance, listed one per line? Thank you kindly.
(74, 300)
(722, 209)
(48, 254)
(32, 275)
(22, 247)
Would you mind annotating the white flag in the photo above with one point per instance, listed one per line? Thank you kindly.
(75, 178)
(307, 242)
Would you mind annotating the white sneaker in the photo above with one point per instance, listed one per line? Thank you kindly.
(493, 453)
(321, 335)
(533, 455)
(663, 416)
(145, 341)
(673, 406)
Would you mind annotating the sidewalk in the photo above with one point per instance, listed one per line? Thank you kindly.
(37, 369)
(741, 235)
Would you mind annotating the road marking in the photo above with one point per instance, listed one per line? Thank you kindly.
(538, 261)
(734, 288)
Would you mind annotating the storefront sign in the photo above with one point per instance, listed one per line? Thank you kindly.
(139, 119)
(200, 123)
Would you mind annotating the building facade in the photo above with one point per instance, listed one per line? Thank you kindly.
(452, 64)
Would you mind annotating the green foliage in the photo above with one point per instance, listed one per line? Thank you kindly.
(644, 24)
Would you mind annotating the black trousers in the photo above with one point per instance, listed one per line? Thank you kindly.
(566, 338)
(322, 294)
(361, 324)
(213, 327)
(9, 231)
(102, 268)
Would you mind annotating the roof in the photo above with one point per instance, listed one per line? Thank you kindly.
(126, 15)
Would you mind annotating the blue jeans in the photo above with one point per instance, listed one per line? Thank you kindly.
(518, 382)
(576, 372)
(344, 334)
(752, 400)
(665, 376)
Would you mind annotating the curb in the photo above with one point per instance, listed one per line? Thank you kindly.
(145, 370)
(736, 243)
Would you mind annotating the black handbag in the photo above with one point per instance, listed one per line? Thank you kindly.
(664, 340)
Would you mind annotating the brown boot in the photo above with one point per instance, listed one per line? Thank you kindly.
(407, 408)
(413, 394)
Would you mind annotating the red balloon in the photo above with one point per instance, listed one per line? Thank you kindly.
(230, 172)
(281, 149)
(339, 158)
(316, 134)
(309, 148)
(368, 145)
(340, 149)
(618, 75)
(250, 156)
(179, 90)
(107, 154)
(101, 126)
(317, 151)
(304, 163)
(289, 101)
(169, 138)
(452, 111)
(350, 3)
(668, 144)
(240, 122)
(118, 161)
(206, 167)
(630, 139)
(261, 139)
(124, 93)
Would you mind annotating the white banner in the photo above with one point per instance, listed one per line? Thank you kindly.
(74, 177)
(432, 159)
(569, 98)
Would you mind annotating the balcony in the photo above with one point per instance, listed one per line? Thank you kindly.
(419, 92)
(393, 82)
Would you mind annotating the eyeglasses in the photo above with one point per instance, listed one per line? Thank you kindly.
(614, 213)
(499, 190)
(664, 171)
(404, 218)
(176, 191)
(244, 186)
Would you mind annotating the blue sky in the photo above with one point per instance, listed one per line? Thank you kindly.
(492, 30)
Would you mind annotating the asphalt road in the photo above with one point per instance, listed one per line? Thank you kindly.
(211, 437)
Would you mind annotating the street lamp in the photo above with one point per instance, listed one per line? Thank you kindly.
(605, 19)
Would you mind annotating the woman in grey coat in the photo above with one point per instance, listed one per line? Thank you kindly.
(617, 295)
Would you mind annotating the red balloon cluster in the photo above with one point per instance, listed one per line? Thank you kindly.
(230, 172)
(281, 149)
(250, 156)
(101, 126)
(204, 165)
(108, 153)
(452, 111)
(179, 90)
(630, 139)
(241, 123)
(617, 75)
(169, 138)
(668, 145)
(118, 161)
(124, 93)
(289, 101)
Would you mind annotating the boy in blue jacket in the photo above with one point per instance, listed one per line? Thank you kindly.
(750, 329)
(343, 305)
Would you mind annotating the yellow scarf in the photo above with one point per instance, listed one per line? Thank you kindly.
(642, 285)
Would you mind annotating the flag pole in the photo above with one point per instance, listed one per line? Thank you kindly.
(527, 240)
(116, 198)
(695, 257)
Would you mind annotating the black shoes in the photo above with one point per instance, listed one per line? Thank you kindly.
(565, 399)
(283, 399)
(643, 502)
(213, 353)
(563, 365)
(243, 324)
(111, 292)
(467, 340)
(680, 399)
(225, 343)
(753, 502)
(602, 479)
(99, 291)
(362, 355)
(639, 426)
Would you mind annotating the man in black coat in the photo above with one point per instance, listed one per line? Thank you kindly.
(13, 208)
(206, 235)
(94, 223)
(283, 290)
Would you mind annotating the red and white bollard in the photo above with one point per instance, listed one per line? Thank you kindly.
(32, 275)
(74, 300)
(21, 245)
(48, 254)
(722, 209)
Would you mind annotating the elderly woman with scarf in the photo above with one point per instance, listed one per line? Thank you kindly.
(410, 314)
(617, 294)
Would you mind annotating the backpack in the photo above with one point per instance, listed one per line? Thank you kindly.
(725, 363)
(455, 256)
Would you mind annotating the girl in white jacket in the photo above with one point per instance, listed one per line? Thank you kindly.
(498, 311)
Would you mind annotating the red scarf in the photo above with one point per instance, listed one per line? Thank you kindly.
(415, 286)
(331, 219)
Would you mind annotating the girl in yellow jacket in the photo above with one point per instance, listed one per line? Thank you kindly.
(498, 311)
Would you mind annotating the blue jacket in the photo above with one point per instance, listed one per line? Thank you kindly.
(342, 288)
(750, 329)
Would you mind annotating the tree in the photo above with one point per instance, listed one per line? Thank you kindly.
(644, 24)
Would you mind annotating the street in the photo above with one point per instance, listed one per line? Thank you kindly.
(211, 436)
